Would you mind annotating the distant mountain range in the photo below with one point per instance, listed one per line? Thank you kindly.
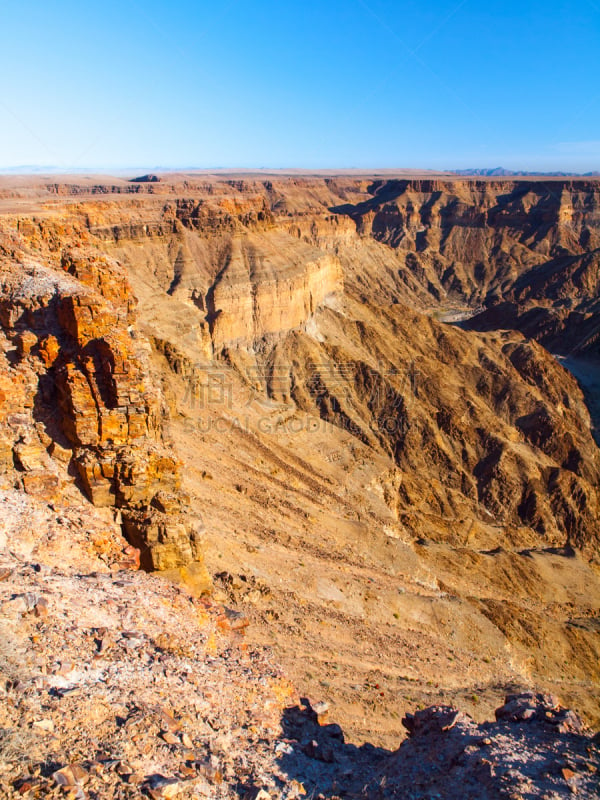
(501, 172)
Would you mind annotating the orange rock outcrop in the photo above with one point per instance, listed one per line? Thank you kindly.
(79, 405)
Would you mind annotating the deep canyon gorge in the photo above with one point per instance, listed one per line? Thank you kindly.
(345, 420)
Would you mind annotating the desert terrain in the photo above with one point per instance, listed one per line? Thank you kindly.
(346, 421)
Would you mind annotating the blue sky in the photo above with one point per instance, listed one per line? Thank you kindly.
(312, 84)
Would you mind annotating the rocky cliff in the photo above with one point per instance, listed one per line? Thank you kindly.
(268, 287)
(80, 408)
(526, 250)
(258, 267)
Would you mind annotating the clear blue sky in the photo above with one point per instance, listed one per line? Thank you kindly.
(318, 83)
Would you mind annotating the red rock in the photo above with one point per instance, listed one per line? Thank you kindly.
(28, 785)
(131, 559)
(187, 772)
(25, 343)
(49, 350)
(231, 620)
(168, 721)
(41, 483)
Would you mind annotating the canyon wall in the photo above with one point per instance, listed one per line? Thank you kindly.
(515, 246)
(417, 498)
(318, 271)
(80, 407)
(269, 286)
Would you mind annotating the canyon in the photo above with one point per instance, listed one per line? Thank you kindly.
(334, 404)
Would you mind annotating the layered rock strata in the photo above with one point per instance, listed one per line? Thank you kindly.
(79, 404)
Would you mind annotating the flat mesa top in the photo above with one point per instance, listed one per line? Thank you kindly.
(40, 179)
(118, 177)
(44, 193)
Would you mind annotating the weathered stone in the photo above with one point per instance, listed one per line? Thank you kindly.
(165, 787)
(99, 490)
(231, 620)
(49, 350)
(85, 318)
(164, 542)
(31, 456)
(321, 709)
(141, 475)
(41, 483)
(6, 454)
(71, 775)
(130, 560)
(41, 608)
(61, 453)
(262, 794)
(527, 705)
(80, 412)
(167, 503)
(25, 342)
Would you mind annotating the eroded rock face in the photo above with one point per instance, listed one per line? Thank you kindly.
(489, 428)
(453, 465)
(474, 238)
(79, 401)
(526, 250)
(256, 272)
(267, 288)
